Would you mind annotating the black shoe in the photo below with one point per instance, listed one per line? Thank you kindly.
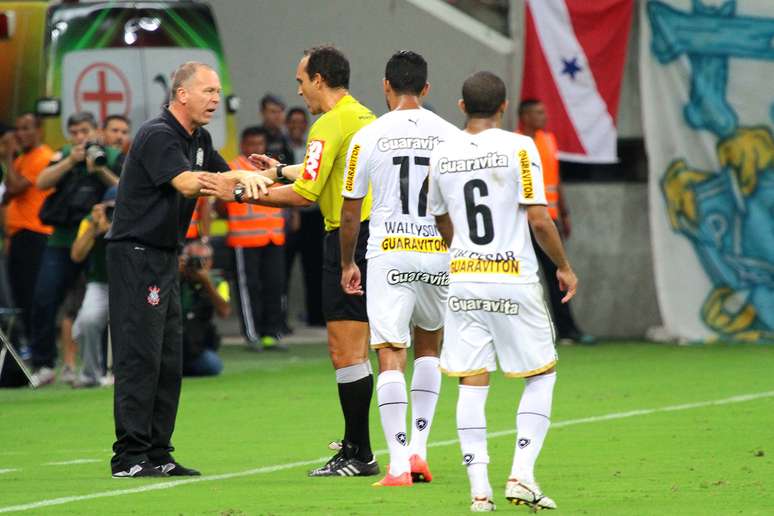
(175, 469)
(143, 469)
(346, 464)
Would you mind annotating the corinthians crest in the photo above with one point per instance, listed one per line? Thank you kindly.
(153, 295)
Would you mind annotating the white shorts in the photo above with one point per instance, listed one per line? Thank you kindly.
(404, 290)
(487, 322)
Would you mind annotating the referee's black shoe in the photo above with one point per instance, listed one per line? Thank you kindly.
(143, 469)
(175, 469)
(346, 464)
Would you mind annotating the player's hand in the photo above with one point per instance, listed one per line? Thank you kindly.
(262, 161)
(568, 282)
(350, 280)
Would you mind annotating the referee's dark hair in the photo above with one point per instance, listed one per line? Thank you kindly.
(182, 74)
(406, 71)
(81, 117)
(483, 93)
(330, 63)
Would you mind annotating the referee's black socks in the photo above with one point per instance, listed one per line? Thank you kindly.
(356, 385)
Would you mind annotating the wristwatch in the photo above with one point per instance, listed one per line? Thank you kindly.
(239, 193)
(280, 177)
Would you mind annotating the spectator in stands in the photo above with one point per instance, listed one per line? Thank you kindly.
(25, 232)
(532, 122)
(304, 229)
(203, 295)
(115, 132)
(90, 173)
(273, 120)
(92, 320)
(257, 236)
(297, 125)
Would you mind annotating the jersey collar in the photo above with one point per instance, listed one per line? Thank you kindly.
(172, 121)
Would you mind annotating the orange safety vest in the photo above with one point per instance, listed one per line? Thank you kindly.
(250, 225)
(546, 145)
(193, 227)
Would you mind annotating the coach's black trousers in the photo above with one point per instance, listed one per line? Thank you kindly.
(147, 337)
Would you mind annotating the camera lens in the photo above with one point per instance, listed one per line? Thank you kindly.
(96, 152)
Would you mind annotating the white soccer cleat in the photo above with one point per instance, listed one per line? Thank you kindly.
(524, 493)
(482, 504)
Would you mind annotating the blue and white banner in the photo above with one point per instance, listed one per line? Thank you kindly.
(707, 83)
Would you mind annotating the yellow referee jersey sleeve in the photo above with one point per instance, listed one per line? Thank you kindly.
(326, 156)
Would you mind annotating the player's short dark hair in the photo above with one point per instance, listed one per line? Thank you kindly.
(483, 94)
(406, 71)
(255, 130)
(120, 118)
(292, 111)
(526, 104)
(35, 117)
(330, 63)
(82, 117)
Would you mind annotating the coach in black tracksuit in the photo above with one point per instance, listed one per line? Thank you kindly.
(156, 197)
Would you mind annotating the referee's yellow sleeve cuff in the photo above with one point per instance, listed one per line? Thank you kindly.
(303, 192)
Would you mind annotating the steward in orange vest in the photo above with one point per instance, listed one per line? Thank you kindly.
(257, 236)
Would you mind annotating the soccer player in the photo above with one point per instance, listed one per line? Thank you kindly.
(323, 82)
(407, 259)
(486, 188)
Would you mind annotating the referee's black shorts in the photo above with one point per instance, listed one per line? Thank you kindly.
(338, 306)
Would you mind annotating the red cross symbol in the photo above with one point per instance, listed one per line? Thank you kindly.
(103, 95)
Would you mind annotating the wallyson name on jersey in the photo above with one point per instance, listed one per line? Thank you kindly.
(388, 144)
(471, 266)
(500, 306)
(491, 160)
(440, 279)
(409, 228)
(416, 244)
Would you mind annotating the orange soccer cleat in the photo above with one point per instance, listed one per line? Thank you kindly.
(420, 471)
(403, 480)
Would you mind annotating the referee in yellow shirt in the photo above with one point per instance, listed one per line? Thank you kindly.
(323, 82)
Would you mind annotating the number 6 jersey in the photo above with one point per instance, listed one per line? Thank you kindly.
(484, 182)
(393, 153)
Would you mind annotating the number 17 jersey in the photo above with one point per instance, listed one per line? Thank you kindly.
(484, 182)
(393, 154)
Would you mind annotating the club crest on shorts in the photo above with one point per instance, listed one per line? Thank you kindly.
(401, 438)
(523, 443)
(468, 458)
(153, 295)
(421, 423)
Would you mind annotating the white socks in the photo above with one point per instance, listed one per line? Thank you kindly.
(425, 386)
(471, 429)
(392, 399)
(532, 422)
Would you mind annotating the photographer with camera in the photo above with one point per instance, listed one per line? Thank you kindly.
(92, 320)
(80, 172)
(203, 295)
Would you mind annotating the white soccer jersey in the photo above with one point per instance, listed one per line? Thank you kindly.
(484, 182)
(393, 154)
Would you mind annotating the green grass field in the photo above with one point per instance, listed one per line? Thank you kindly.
(256, 430)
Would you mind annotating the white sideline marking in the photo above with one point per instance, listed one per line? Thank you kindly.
(279, 467)
(69, 462)
(7, 471)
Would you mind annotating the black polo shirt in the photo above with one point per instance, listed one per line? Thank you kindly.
(148, 208)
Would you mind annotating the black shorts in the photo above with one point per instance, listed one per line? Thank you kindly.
(336, 305)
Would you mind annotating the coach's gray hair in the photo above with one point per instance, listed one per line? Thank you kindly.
(183, 73)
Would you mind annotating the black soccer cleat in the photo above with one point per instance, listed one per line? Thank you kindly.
(141, 470)
(346, 464)
(175, 469)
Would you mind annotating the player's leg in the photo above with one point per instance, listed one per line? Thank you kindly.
(468, 354)
(525, 348)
